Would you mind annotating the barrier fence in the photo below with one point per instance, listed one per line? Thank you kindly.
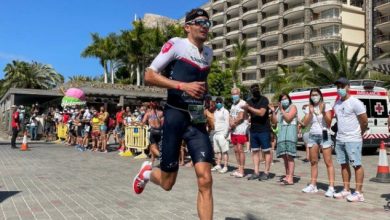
(137, 138)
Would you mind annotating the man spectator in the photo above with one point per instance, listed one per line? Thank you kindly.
(351, 123)
(220, 142)
(15, 124)
(260, 131)
(238, 127)
(119, 124)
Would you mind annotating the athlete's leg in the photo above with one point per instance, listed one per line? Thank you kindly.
(205, 194)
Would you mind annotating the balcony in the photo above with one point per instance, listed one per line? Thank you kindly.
(325, 38)
(295, 12)
(382, 6)
(293, 44)
(294, 28)
(322, 22)
(269, 35)
(218, 39)
(271, 5)
(250, 28)
(383, 24)
(270, 20)
(249, 3)
(251, 14)
(218, 4)
(269, 64)
(250, 42)
(233, 22)
(233, 9)
(217, 28)
(250, 67)
(383, 42)
(233, 34)
(321, 5)
(293, 60)
(269, 50)
(218, 16)
(217, 52)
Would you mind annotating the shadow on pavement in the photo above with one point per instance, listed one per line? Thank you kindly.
(247, 217)
(387, 198)
(6, 194)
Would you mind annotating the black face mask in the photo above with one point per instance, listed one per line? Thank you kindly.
(256, 94)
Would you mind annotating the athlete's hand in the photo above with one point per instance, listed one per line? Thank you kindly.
(195, 89)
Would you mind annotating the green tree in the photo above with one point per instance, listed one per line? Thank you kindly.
(338, 65)
(97, 49)
(240, 51)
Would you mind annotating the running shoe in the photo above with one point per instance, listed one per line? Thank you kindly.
(139, 181)
(355, 197)
(310, 189)
(330, 192)
(216, 168)
(223, 170)
(342, 195)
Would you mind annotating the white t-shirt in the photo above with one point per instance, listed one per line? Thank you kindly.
(221, 121)
(234, 111)
(347, 121)
(318, 117)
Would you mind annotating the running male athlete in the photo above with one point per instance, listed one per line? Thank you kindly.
(154, 118)
(186, 63)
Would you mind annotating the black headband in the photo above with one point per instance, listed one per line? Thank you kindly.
(196, 13)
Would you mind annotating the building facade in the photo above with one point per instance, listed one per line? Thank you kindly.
(284, 31)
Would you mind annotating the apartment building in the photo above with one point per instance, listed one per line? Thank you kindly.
(378, 33)
(283, 31)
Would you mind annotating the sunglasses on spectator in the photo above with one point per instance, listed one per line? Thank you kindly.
(206, 23)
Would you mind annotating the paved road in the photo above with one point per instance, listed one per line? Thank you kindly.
(57, 182)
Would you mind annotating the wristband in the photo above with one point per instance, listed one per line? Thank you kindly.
(178, 87)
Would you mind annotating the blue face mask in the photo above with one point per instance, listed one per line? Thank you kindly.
(219, 105)
(342, 92)
(285, 103)
(235, 98)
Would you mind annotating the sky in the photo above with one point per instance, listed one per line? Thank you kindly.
(55, 32)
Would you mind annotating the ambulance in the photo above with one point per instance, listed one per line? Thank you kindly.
(374, 97)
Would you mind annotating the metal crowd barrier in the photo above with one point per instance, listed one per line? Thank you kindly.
(137, 137)
(62, 130)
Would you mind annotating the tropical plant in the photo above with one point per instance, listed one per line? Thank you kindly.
(20, 74)
(338, 65)
(240, 51)
(97, 49)
(83, 78)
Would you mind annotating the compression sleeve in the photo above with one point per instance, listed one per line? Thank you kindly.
(166, 55)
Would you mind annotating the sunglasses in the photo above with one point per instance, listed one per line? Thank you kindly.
(206, 23)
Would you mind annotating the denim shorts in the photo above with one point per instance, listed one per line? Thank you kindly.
(260, 140)
(316, 139)
(349, 153)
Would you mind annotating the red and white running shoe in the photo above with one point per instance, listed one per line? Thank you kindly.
(139, 181)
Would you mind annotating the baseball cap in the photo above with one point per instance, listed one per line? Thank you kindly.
(194, 13)
(342, 81)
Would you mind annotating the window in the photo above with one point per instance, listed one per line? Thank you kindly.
(271, 58)
(271, 43)
(249, 76)
(293, 53)
(330, 13)
(329, 30)
(295, 37)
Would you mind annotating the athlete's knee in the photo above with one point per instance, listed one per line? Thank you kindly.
(168, 182)
(205, 182)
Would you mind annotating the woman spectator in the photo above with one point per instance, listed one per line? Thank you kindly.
(319, 118)
(33, 127)
(103, 118)
(286, 118)
(95, 134)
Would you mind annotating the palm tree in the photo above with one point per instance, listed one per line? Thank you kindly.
(338, 65)
(20, 74)
(240, 51)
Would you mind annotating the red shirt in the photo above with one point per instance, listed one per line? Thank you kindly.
(65, 118)
(15, 120)
(119, 117)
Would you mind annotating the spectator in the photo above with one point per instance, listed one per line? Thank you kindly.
(304, 131)
(238, 128)
(33, 127)
(15, 124)
(95, 134)
(351, 124)
(286, 118)
(220, 142)
(48, 126)
(103, 118)
(155, 120)
(87, 116)
(260, 132)
(118, 132)
(319, 118)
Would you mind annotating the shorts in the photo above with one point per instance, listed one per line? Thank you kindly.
(79, 131)
(220, 144)
(155, 136)
(260, 140)
(49, 129)
(178, 127)
(103, 128)
(238, 138)
(305, 137)
(95, 133)
(316, 139)
(349, 153)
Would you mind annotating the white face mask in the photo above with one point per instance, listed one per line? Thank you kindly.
(315, 99)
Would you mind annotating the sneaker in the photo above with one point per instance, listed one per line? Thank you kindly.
(223, 170)
(239, 175)
(310, 189)
(254, 177)
(329, 192)
(342, 195)
(139, 181)
(234, 173)
(355, 197)
(216, 168)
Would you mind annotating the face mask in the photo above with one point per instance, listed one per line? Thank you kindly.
(235, 98)
(315, 99)
(306, 111)
(342, 92)
(256, 94)
(219, 105)
(285, 103)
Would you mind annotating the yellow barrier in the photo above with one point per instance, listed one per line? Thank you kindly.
(136, 137)
(61, 131)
